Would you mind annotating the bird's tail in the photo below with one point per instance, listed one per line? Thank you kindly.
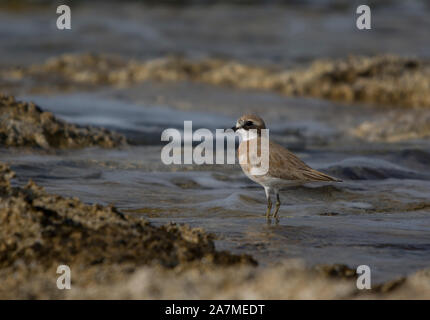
(315, 175)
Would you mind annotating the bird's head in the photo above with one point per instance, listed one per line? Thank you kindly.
(248, 122)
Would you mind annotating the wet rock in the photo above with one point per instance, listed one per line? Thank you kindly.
(40, 231)
(336, 271)
(24, 124)
(397, 206)
(396, 126)
(362, 168)
(329, 214)
(389, 286)
(415, 157)
(384, 80)
(5, 175)
(186, 183)
(117, 256)
(369, 173)
(288, 280)
(416, 285)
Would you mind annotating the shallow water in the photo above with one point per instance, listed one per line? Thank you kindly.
(378, 216)
(382, 223)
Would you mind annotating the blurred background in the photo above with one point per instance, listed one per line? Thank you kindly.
(280, 32)
(353, 103)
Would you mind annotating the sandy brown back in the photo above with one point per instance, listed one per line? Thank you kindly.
(285, 165)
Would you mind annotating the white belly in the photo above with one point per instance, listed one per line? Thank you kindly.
(271, 182)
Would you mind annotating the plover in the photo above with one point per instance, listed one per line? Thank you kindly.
(285, 169)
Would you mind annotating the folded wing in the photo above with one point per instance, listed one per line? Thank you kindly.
(285, 165)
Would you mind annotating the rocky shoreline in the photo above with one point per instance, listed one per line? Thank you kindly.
(24, 124)
(113, 255)
(383, 80)
(116, 255)
(401, 85)
(91, 193)
(41, 231)
(395, 126)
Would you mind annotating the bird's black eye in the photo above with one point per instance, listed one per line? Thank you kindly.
(249, 123)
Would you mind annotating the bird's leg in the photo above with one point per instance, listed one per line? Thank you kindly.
(278, 204)
(269, 203)
(269, 207)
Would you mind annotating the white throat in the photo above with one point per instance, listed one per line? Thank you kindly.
(247, 134)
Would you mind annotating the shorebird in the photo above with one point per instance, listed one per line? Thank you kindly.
(284, 170)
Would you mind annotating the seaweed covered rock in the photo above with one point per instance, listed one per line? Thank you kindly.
(37, 226)
(40, 231)
(396, 125)
(385, 79)
(25, 124)
(117, 256)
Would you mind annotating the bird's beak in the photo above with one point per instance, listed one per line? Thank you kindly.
(232, 128)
